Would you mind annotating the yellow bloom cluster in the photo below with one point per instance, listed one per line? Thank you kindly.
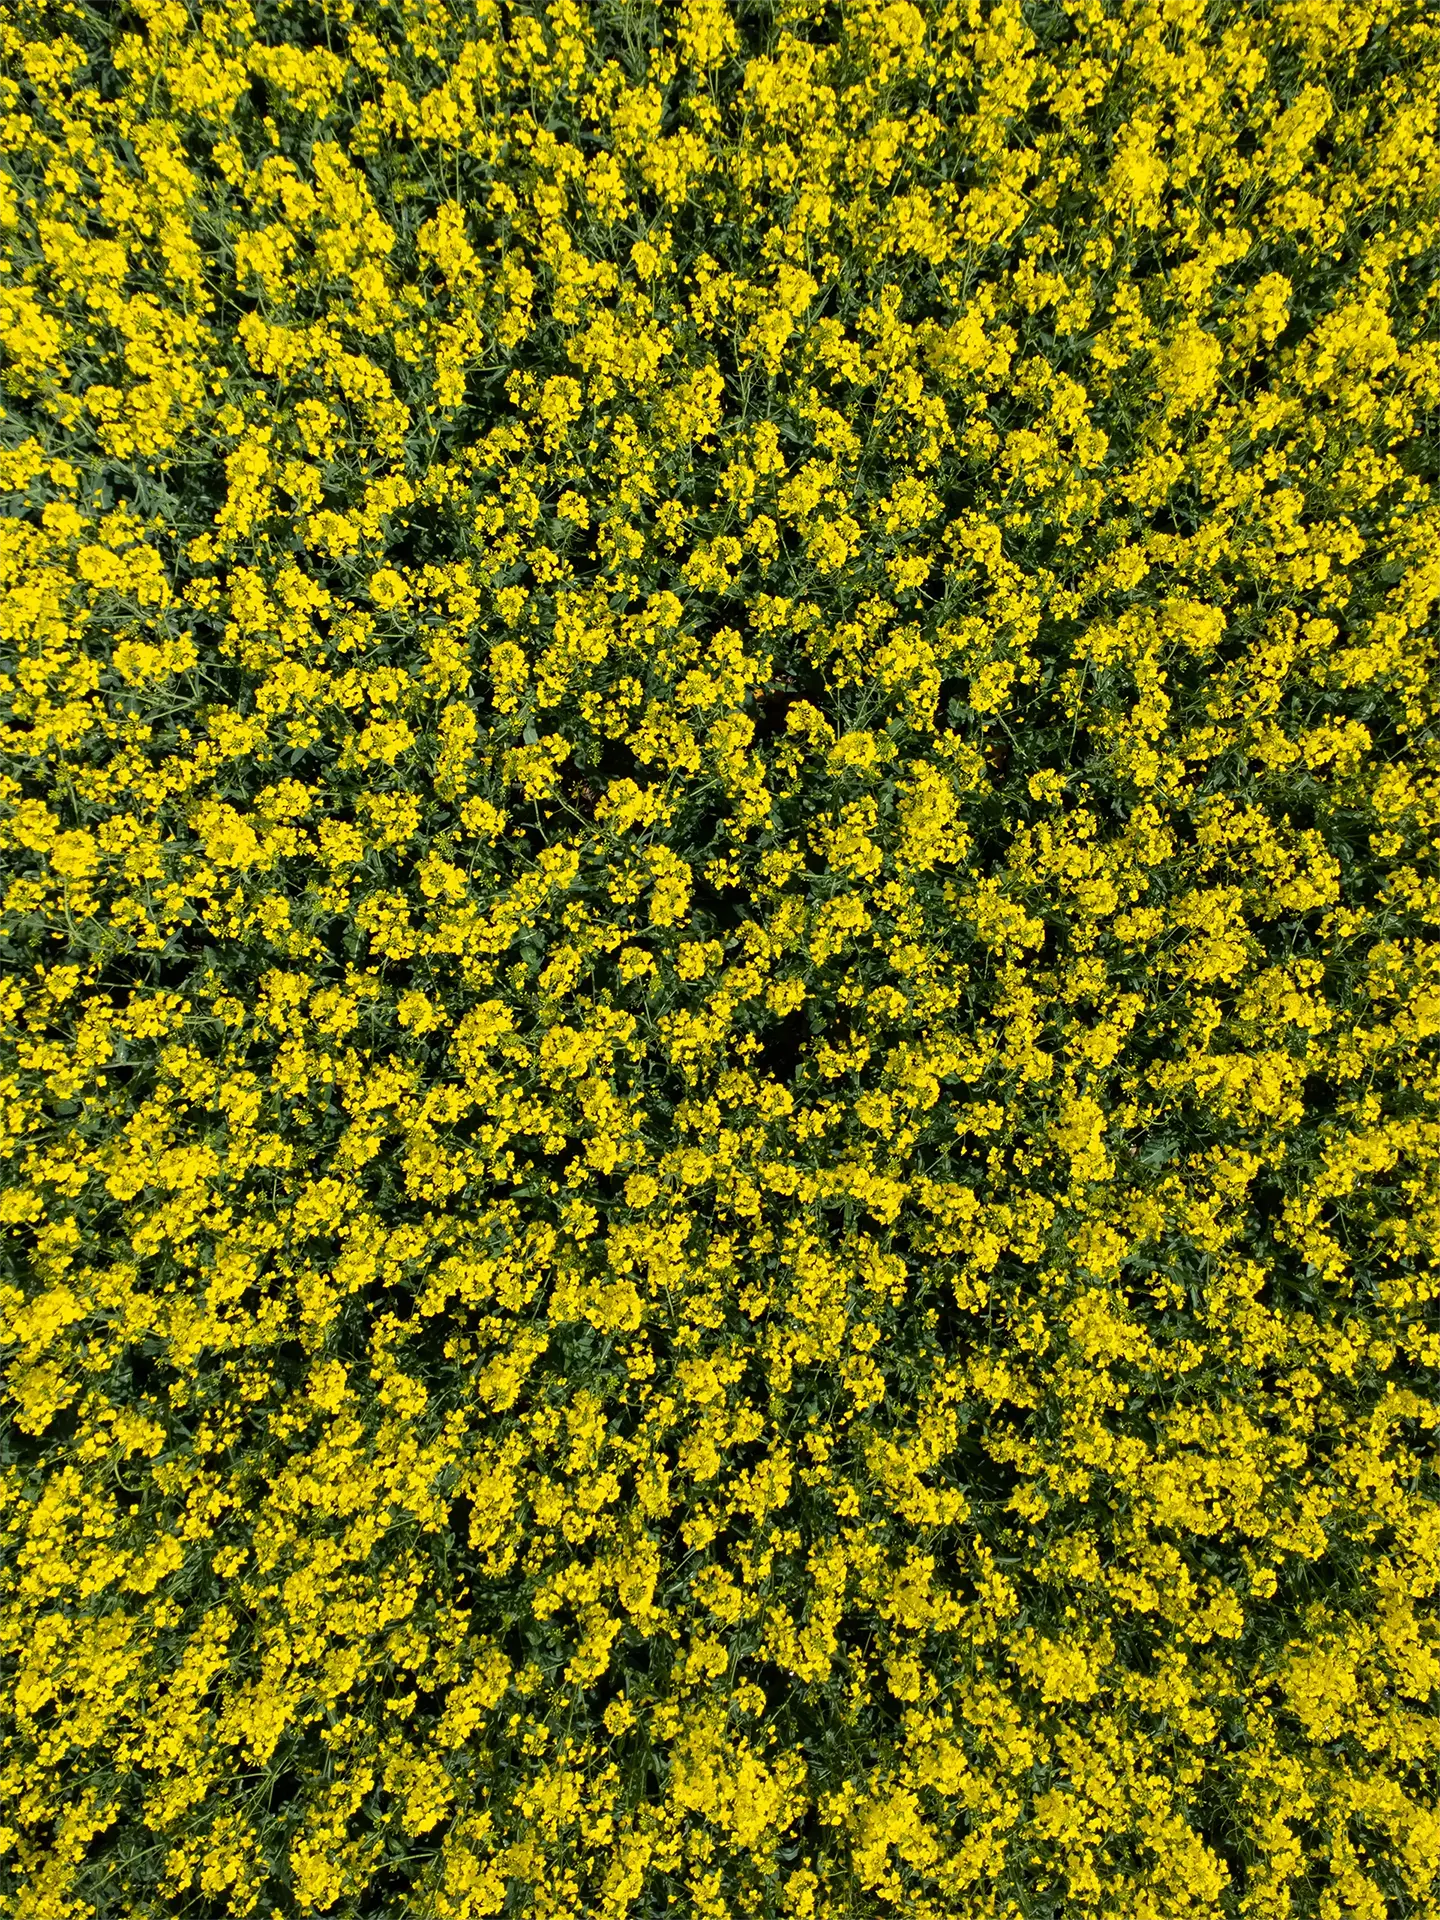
(720, 959)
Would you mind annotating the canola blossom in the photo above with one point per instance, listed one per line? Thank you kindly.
(720, 965)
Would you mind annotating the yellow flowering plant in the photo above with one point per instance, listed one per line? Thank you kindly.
(721, 1113)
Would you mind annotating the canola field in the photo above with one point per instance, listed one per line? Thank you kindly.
(720, 968)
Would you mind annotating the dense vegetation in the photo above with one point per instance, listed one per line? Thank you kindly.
(721, 960)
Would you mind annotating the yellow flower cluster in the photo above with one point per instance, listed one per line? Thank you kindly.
(720, 959)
